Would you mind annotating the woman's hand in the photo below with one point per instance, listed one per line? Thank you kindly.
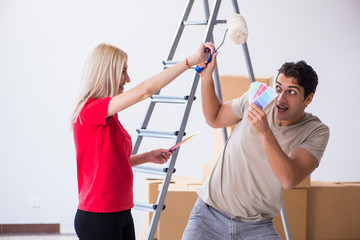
(159, 156)
(202, 54)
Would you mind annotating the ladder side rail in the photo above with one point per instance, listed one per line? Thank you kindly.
(209, 36)
(170, 57)
(235, 6)
(180, 30)
(245, 48)
(188, 106)
(285, 221)
(248, 62)
(143, 126)
(167, 178)
(212, 21)
(206, 9)
(216, 71)
(161, 198)
(217, 86)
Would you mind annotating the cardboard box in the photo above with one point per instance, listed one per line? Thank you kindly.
(295, 201)
(179, 203)
(333, 211)
(180, 199)
(233, 86)
(305, 183)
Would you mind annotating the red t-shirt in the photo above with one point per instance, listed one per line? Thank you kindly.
(103, 149)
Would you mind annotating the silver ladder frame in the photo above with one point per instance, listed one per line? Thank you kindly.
(210, 21)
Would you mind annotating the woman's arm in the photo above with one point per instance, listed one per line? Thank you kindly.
(150, 86)
(159, 156)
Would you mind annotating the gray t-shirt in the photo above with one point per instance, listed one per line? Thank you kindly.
(242, 183)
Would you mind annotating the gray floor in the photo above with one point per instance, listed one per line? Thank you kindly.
(40, 237)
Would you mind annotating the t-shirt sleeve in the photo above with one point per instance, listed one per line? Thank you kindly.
(317, 141)
(95, 111)
(240, 104)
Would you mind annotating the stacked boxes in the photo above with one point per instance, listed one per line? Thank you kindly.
(180, 199)
(326, 210)
(295, 201)
(333, 211)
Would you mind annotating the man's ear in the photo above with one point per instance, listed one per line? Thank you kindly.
(309, 98)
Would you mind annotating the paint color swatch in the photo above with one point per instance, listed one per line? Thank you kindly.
(253, 89)
(173, 148)
(261, 95)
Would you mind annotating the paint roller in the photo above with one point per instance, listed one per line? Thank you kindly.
(238, 33)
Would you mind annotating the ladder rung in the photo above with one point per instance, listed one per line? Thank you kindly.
(146, 207)
(157, 134)
(202, 22)
(168, 64)
(169, 99)
(151, 170)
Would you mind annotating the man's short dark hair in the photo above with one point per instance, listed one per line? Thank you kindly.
(303, 73)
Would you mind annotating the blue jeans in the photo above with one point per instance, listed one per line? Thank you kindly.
(208, 223)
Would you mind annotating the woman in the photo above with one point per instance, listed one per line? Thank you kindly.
(103, 147)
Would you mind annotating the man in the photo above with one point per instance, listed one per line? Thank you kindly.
(269, 150)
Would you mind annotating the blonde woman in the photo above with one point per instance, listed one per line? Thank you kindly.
(103, 147)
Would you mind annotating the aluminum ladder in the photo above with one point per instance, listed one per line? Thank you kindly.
(210, 21)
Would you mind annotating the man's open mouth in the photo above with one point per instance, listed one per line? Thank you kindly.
(281, 108)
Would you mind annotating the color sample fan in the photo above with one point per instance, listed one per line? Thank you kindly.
(261, 95)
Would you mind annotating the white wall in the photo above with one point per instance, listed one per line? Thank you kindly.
(42, 48)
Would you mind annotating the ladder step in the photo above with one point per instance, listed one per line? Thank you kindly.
(168, 64)
(157, 134)
(202, 22)
(146, 207)
(151, 170)
(169, 99)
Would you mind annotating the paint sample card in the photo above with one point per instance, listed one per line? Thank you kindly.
(253, 89)
(261, 95)
(173, 148)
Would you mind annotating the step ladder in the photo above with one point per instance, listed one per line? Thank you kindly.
(210, 21)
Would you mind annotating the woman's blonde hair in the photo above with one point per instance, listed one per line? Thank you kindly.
(101, 75)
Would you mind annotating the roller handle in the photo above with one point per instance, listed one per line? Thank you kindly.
(199, 69)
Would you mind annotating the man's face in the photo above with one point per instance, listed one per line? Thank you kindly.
(290, 104)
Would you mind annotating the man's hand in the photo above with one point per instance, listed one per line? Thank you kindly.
(208, 69)
(257, 117)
